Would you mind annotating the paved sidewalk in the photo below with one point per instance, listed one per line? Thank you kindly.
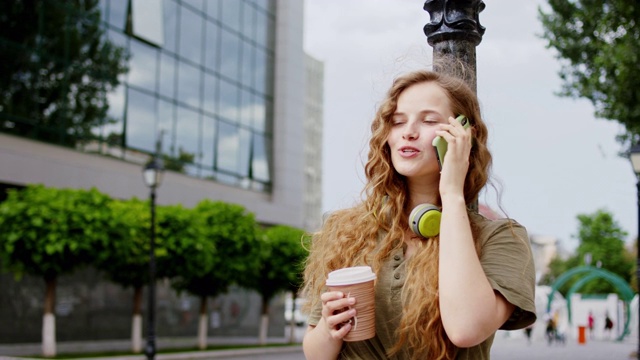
(79, 347)
(505, 347)
(517, 348)
(254, 353)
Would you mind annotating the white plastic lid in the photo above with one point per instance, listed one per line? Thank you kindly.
(350, 275)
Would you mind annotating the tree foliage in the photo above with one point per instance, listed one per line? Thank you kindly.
(282, 258)
(126, 259)
(232, 231)
(56, 68)
(599, 45)
(602, 238)
(183, 250)
(47, 232)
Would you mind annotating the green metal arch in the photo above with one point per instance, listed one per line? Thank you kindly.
(612, 279)
(593, 273)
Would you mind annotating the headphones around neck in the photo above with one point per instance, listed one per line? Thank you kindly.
(424, 220)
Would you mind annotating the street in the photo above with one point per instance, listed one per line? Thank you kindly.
(509, 349)
(517, 348)
(507, 346)
(275, 356)
(511, 345)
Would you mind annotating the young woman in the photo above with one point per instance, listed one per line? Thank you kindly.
(442, 296)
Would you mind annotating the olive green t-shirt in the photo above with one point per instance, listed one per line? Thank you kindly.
(508, 264)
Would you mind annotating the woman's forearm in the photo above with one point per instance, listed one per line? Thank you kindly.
(471, 310)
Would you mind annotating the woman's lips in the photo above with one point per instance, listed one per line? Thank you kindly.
(408, 152)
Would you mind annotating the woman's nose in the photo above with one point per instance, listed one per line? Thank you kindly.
(410, 133)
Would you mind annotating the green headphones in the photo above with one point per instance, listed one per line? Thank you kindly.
(424, 220)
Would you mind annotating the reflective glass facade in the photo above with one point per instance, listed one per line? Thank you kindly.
(208, 86)
(222, 80)
(240, 128)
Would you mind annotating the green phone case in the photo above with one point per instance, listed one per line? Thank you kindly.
(440, 144)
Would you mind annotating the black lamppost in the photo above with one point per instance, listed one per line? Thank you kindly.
(152, 174)
(634, 156)
(454, 30)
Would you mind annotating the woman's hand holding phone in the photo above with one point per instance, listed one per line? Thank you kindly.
(454, 139)
(440, 144)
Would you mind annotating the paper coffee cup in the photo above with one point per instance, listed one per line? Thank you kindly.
(357, 282)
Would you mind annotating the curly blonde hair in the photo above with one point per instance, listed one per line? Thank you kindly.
(369, 232)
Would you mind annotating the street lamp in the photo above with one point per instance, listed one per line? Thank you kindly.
(152, 175)
(634, 156)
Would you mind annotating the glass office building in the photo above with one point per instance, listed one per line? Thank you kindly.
(201, 72)
(220, 82)
(239, 107)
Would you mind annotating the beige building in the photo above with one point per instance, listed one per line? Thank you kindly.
(544, 248)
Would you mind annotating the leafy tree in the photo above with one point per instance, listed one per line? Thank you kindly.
(181, 250)
(126, 259)
(281, 264)
(56, 68)
(601, 236)
(185, 250)
(190, 254)
(47, 232)
(233, 233)
(598, 43)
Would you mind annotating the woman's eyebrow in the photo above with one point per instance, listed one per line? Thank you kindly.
(421, 112)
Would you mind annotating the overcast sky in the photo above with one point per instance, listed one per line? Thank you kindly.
(553, 158)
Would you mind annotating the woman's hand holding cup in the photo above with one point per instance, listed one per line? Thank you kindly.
(339, 310)
(338, 313)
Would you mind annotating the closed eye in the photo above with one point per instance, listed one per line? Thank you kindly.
(398, 120)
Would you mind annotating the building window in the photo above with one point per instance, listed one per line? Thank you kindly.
(201, 71)
(147, 21)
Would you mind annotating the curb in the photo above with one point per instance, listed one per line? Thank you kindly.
(192, 355)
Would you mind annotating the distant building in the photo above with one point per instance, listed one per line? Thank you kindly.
(544, 248)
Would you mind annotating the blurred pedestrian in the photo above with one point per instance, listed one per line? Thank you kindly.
(608, 325)
(527, 332)
(550, 331)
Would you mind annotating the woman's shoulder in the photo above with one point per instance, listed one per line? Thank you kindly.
(489, 227)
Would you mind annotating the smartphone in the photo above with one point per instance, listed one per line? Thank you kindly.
(440, 144)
